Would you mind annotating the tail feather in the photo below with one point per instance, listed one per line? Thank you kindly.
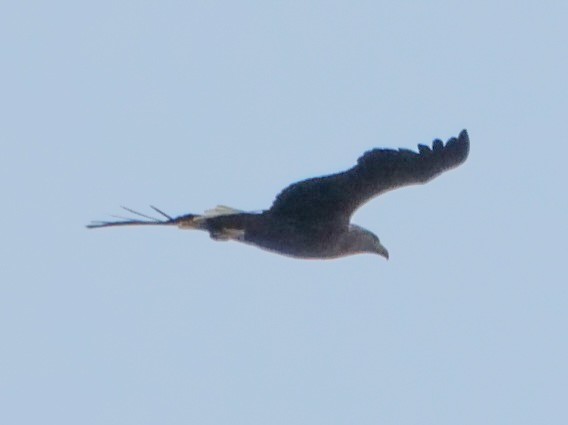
(220, 210)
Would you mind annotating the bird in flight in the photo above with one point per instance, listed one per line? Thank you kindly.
(311, 218)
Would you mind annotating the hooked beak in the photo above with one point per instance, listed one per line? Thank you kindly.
(382, 251)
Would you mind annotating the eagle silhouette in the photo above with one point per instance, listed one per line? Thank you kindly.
(311, 218)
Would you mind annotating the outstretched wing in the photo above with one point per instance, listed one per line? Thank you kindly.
(337, 196)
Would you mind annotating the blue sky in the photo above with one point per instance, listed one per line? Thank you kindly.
(186, 105)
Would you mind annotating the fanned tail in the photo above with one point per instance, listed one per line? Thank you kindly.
(184, 221)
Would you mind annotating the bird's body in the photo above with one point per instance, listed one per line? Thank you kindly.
(311, 218)
(294, 238)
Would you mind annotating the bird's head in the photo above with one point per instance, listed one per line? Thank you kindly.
(363, 240)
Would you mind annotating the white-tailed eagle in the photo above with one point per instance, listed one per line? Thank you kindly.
(311, 218)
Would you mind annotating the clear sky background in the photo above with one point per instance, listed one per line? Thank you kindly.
(190, 104)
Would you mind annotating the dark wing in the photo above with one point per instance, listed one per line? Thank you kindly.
(337, 196)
